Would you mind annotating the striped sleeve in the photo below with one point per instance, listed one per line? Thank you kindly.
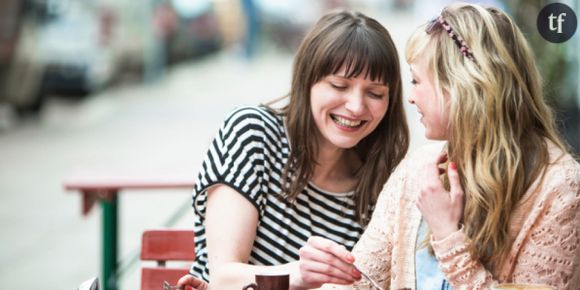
(235, 158)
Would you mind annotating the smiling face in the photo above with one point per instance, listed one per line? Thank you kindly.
(346, 110)
(434, 111)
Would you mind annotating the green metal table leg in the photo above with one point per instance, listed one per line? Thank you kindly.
(110, 243)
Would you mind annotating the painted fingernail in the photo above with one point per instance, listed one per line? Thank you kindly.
(452, 165)
(356, 273)
(350, 257)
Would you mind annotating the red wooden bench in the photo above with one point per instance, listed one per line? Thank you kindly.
(164, 246)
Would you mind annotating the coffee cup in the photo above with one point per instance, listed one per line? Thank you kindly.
(270, 282)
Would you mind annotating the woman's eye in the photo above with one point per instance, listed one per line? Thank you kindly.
(376, 95)
(413, 82)
(338, 86)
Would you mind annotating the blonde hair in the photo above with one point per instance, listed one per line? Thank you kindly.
(497, 112)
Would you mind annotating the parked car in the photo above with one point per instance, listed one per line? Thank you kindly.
(53, 46)
(75, 47)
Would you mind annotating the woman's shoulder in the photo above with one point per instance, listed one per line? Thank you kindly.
(559, 183)
(424, 154)
(255, 116)
(558, 195)
(253, 112)
(563, 171)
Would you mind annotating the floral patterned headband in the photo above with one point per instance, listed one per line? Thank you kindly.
(461, 44)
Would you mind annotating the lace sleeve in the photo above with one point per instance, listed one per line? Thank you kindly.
(550, 253)
(373, 252)
(455, 261)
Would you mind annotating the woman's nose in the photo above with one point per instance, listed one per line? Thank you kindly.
(411, 99)
(355, 104)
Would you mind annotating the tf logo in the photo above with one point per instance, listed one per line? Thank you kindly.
(557, 22)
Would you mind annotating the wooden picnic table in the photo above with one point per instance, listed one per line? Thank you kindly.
(105, 190)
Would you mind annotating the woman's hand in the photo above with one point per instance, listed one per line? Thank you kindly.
(193, 283)
(441, 209)
(323, 261)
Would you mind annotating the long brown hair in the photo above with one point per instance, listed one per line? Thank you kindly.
(497, 112)
(359, 44)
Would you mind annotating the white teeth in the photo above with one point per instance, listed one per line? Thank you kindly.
(346, 122)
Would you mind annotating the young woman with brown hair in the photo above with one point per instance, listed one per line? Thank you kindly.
(275, 178)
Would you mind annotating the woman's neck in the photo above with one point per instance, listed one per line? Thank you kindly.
(335, 169)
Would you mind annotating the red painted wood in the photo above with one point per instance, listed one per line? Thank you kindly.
(112, 183)
(99, 187)
(165, 245)
(152, 278)
(168, 245)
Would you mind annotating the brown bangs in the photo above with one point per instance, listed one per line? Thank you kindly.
(358, 52)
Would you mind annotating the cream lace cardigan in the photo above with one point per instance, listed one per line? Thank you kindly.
(545, 234)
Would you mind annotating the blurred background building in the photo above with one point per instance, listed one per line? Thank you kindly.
(140, 87)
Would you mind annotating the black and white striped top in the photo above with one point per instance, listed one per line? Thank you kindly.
(248, 154)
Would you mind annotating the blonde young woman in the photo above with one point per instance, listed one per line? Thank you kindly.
(511, 211)
(273, 178)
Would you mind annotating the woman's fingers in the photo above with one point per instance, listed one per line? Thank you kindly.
(324, 273)
(431, 172)
(331, 247)
(324, 261)
(316, 280)
(192, 282)
(441, 158)
(456, 190)
(441, 209)
(328, 258)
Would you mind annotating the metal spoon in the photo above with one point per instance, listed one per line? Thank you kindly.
(373, 282)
